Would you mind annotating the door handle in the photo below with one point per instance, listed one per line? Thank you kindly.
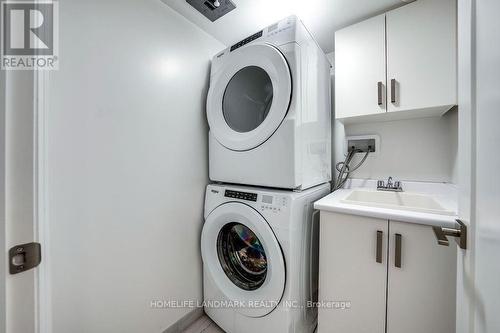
(397, 255)
(460, 234)
(393, 90)
(380, 88)
(378, 255)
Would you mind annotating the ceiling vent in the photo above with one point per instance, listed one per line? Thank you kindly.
(212, 9)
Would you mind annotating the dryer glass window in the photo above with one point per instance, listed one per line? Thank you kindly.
(247, 99)
(242, 256)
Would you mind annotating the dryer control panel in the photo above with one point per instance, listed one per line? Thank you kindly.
(246, 40)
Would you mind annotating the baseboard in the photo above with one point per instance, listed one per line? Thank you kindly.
(186, 321)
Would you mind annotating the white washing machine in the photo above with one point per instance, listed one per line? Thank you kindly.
(268, 108)
(260, 258)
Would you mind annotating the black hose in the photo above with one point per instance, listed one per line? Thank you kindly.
(345, 171)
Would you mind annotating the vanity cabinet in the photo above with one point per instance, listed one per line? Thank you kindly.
(403, 60)
(393, 275)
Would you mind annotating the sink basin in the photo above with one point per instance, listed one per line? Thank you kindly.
(397, 200)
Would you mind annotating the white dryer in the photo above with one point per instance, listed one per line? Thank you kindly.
(268, 108)
(260, 258)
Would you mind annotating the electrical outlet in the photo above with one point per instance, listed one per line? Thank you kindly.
(362, 142)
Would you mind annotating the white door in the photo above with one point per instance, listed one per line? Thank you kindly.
(352, 268)
(422, 56)
(421, 293)
(487, 213)
(243, 257)
(478, 291)
(249, 97)
(360, 69)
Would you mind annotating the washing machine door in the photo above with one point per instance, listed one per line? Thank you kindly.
(249, 98)
(244, 258)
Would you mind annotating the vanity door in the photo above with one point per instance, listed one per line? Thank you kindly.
(352, 274)
(421, 280)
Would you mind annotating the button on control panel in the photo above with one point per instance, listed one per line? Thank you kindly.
(241, 195)
(269, 208)
(273, 204)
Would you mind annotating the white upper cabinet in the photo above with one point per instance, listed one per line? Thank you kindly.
(422, 56)
(403, 60)
(360, 69)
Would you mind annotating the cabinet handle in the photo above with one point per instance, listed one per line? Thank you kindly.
(397, 256)
(380, 88)
(393, 90)
(380, 235)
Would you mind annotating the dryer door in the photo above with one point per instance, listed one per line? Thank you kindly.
(249, 98)
(244, 258)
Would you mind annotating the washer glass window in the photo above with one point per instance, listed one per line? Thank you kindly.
(247, 99)
(242, 256)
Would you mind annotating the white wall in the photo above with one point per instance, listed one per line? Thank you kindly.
(127, 165)
(422, 149)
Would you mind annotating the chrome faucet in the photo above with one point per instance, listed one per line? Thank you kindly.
(394, 187)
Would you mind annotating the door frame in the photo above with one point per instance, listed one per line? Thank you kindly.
(42, 227)
(43, 295)
(20, 204)
(466, 163)
(3, 263)
(37, 94)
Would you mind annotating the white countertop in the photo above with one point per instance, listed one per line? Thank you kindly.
(445, 194)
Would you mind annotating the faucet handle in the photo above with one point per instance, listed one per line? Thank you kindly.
(380, 184)
(397, 184)
(389, 182)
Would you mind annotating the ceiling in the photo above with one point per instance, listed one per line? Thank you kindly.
(321, 17)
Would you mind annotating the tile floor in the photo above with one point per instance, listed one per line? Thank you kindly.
(203, 325)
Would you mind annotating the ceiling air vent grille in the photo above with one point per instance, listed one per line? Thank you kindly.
(209, 9)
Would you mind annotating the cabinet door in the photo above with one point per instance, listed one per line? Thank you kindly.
(360, 69)
(422, 56)
(421, 293)
(349, 272)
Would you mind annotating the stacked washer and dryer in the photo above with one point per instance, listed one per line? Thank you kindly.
(268, 108)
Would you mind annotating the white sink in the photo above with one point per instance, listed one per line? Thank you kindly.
(397, 200)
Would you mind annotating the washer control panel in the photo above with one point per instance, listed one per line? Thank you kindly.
(272, 203)
(241, 195)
